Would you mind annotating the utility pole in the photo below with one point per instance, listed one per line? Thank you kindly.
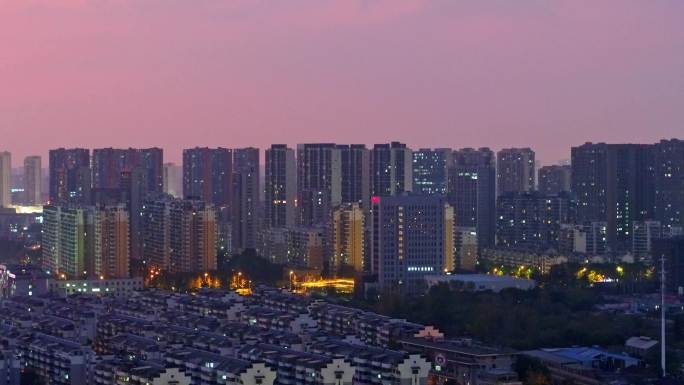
(662, 313)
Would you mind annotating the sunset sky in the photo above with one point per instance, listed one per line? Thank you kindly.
(442, 73)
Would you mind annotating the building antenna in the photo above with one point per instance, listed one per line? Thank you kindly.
(662, 314)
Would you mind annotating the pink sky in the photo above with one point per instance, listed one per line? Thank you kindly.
(456, 73)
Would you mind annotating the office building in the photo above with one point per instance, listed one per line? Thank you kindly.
(515, 170)
(280, 187)
(430, 170)
(531, 220)
(411, 236)
(668, 182)
(613, 183)
(70, 176)
(208, 175)
(5, 179)
(319, 182)
(355, 174)
(391, 169)
(472, 190)
(33, 179)
(180, 235)
(554, 179)
(246, 198)
(348, 240)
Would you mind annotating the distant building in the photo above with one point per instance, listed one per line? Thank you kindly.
(471, 192)
(33, 178)
(669, 178)
(465, 248)
(589, 239)
(173, 180)
(208, 175)
(461, 361)
(583, 365)
(643, 234)
(555, 179)
(531, 220)
(641, 346)
(115, 287)
(5, 179)
(111, 253)
(542, 261)
(246, 198)
(64, 240)
(515, 170)
(306, 247)
(70, 176)
(672, 249)
(319, 182)
(430, 170)
(355, 174)
(82, 242)
(391, 169)
(481, 282)
(411, 236)
(108, 164)
(280, 187)
(348, 240)
(180, 235)
(613, 183)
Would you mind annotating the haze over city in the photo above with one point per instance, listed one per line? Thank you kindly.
(176, 74)
(341, 192)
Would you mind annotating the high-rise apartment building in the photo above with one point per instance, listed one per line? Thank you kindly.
(669, 182)
(411, 236)
(180, 235)
(348, 239)
(306, 247)
(111, 252)
(64, 241)
(531, 221)
(208, 175)
(391, 169)
(5, 179)
(319, 182)
(355, 174)
(33, 179)
(672, 249)
(515, 170)
(280, 187)
(614, 184)
(70, 176)
(108, 165)
(86, 241)
(430, 170)
(554, 179)
(173, 180)
(246, 198)
(643, 235)
(472, 190)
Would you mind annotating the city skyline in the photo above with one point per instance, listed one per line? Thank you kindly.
(469, 74)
